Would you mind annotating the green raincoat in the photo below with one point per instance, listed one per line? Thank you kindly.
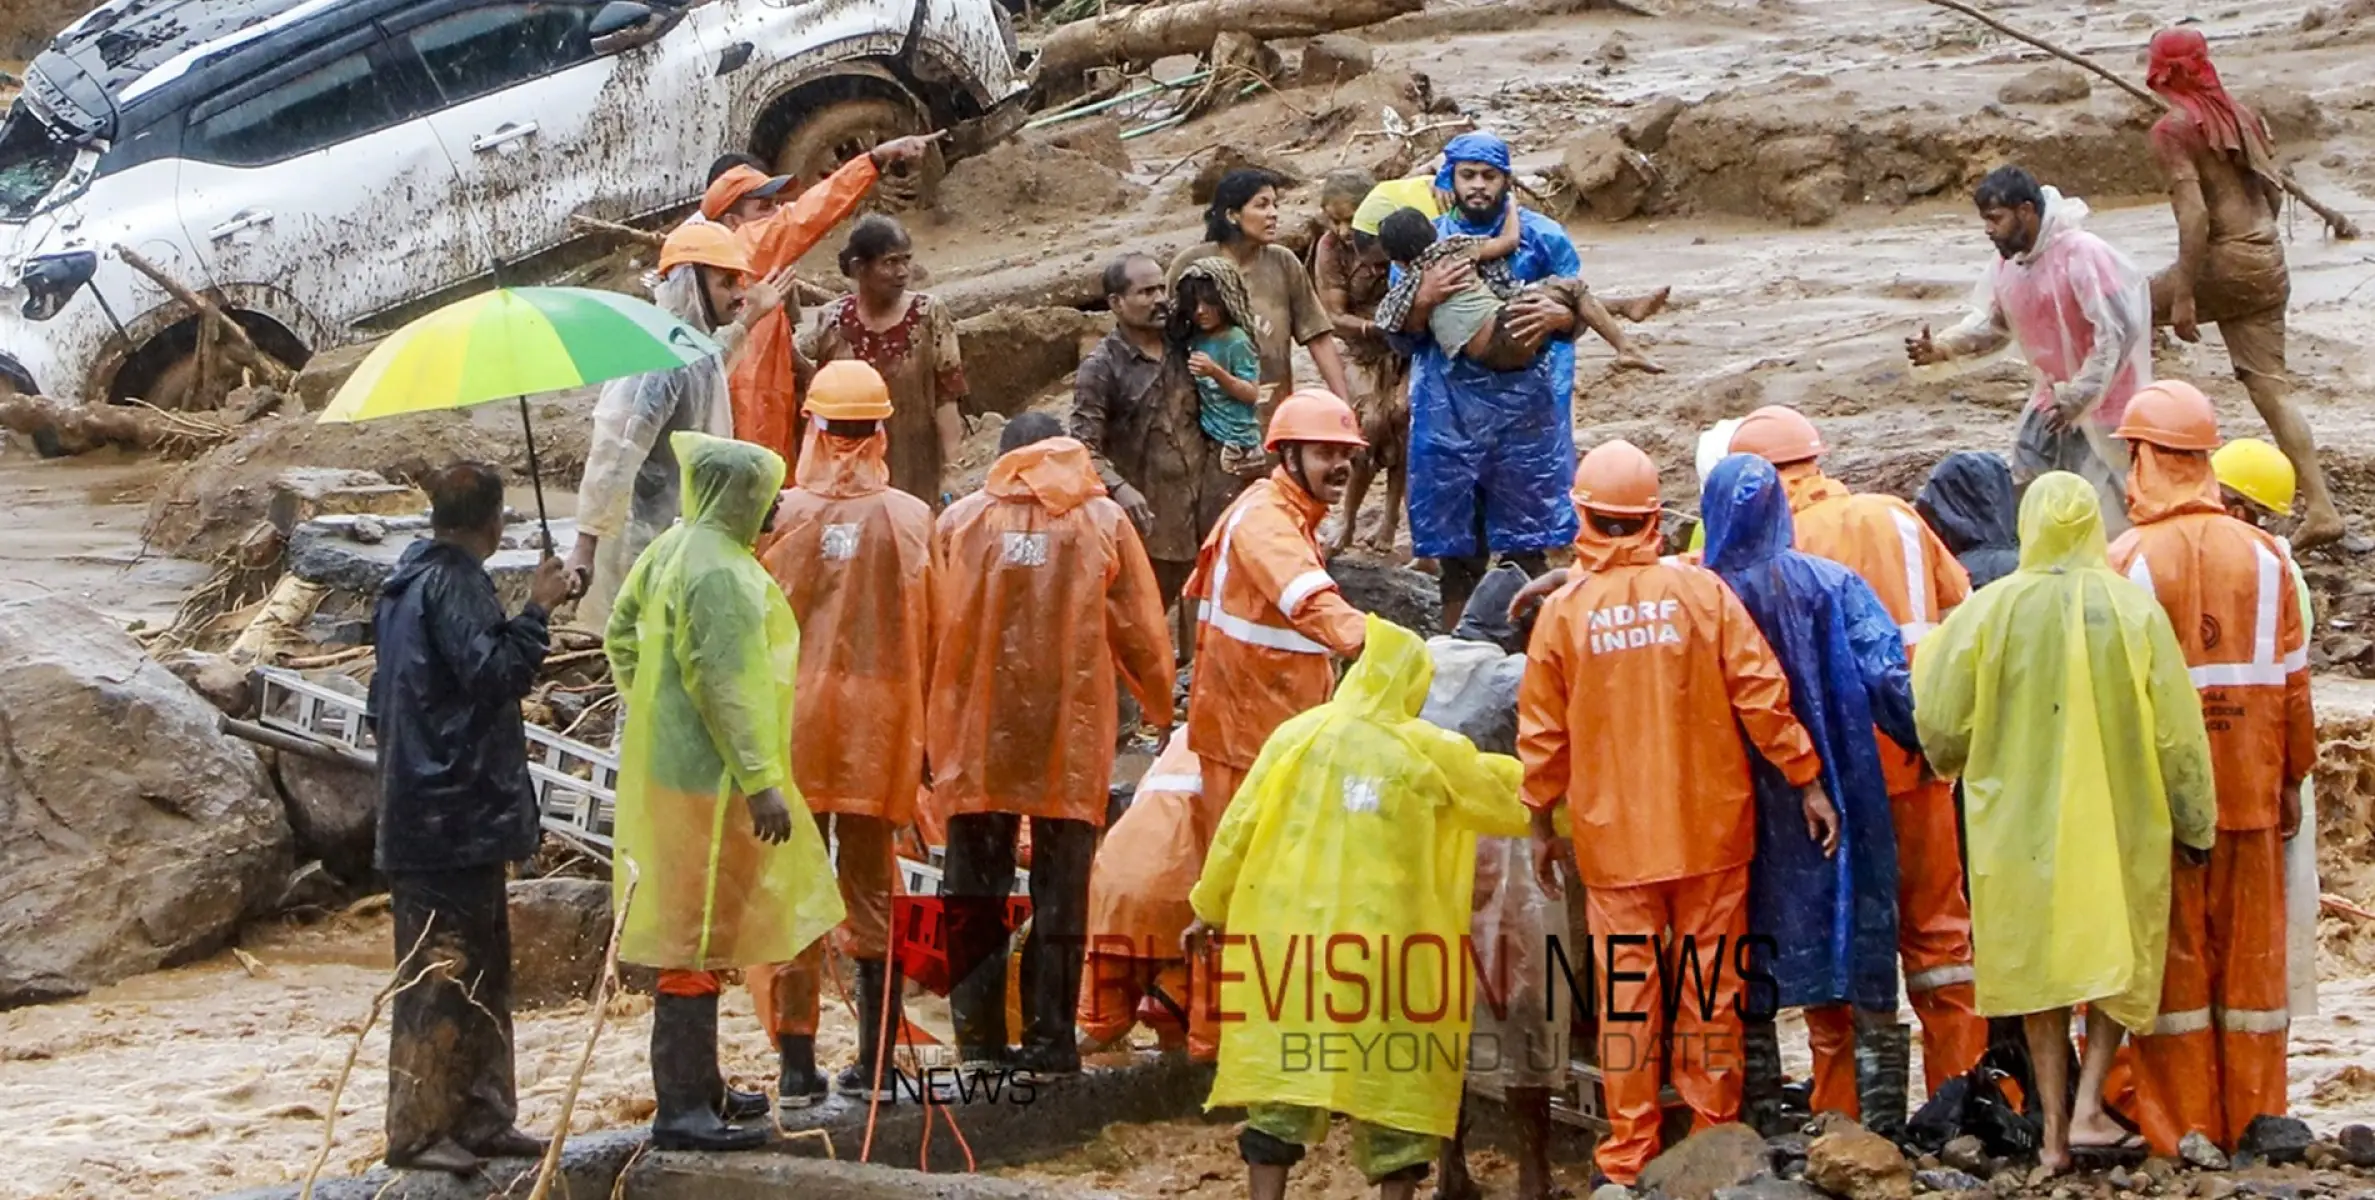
(1353, 839)
(705, 650)
(2060, 695)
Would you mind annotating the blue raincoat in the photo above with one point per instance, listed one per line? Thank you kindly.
(1833, 921)
(1493, 450)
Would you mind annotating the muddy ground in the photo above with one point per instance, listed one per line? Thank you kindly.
(1807, 207)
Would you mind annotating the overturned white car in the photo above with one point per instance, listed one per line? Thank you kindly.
(327, 168)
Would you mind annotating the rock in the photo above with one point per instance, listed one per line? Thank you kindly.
(2293, 115)
(1334, 58)
(1769, 1188)
(2275, 1139)
(333, 812)
(1949, 1180)
(1859, 1165)
(322, 551)
(1787, 1148)
(2324, 1156)
(303, 493)
(1099, 138)
(225, 684)
(2007, 1183)
(1965, 1153)
(1645, 128)
(1927, 1162)
(560, 929)
(2358, 1145)
(2158, 1170)
(1012, 355)
(118, 862)
(1614, 49)
(1397, 593)
(1227, 158)
(2199, 1151)
(326, 372)
(2118, 1178)
(370, 531)
(1710, 1159)
(1606, 177)
(2214, 1187)
(2053, 83)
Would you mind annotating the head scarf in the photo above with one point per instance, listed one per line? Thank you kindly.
(1230, 283)
(1485, 148)
(2180, 72)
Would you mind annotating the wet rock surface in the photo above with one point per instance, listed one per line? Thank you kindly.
(333, 812)
(118, 862)
(1858, 1164)
(1397, 593)
(2053, 83)
(560, 930)
(1707, 1161)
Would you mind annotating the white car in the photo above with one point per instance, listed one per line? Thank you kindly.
(327, 168)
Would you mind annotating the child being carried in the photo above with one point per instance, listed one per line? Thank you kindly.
(1475, 320)
(1210, 318)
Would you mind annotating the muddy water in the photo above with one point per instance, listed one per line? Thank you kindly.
(74, 529)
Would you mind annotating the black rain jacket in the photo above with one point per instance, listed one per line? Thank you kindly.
(1968, 500)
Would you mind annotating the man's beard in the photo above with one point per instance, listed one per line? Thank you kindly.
(2010, 249)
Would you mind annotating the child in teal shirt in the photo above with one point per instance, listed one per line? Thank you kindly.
(1209, 315)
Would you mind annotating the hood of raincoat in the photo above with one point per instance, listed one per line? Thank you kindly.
(2165, 483)
(1058, 473)
(2061, 526)
(1596, 551)
(2063, 214)
(1486, 618)
(728, 485)
(1746, 512)
(1808, 486)
(1388, 683)
(1968, 500)
(679, 293)
(844, 468)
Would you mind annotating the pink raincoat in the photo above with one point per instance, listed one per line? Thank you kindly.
(2081, 311)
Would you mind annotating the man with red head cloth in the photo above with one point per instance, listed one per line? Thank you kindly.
(2226, 189)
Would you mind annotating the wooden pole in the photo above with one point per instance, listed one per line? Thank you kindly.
(236, 345)
(2342, 226)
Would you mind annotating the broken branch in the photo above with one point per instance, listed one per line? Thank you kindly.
(235, 344)
(580, 223)
(60, 429)
(1152, 32)
(2342, 226)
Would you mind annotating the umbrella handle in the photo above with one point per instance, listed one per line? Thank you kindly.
(536, 478)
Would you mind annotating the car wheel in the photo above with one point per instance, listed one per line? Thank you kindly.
(844, 129)
(176, 384)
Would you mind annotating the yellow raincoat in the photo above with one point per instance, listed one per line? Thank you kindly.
(2061, 697)
(1354, 838)
(705, 650)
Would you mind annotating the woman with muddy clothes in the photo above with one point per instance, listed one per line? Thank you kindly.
(911, 340)
(1241, 225)
(1351, 271)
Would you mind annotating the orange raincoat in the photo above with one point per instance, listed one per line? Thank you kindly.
(763, 383)
(1138, 905)
(2216, 1058)
(1882, 539)
(1641, 677)
(1046, 595)
(1268, 617)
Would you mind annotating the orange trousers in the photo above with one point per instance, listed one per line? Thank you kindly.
(1703, 1048)
(1118, 991)
(789, 996)
(2216, 1056)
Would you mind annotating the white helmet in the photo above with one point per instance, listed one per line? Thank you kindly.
(1714, 445)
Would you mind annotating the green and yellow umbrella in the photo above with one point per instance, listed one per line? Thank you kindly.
(513, 343)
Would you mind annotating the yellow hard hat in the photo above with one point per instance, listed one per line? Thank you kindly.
(848, 390)
(2258, 472)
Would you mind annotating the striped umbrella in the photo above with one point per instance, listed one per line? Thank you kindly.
(513, 343)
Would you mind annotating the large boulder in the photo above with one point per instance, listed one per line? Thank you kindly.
(1707, 1161)
(333, 812)
(1333, 58)
(1855, 1163)
(560, 931)
(134, 834)
(1395, 592)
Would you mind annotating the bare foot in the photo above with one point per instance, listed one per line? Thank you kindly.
(1458, 1188)
(2097, 1131)
(2319, 529)
(1378, 543)
(1642, 308)
(1634, 360)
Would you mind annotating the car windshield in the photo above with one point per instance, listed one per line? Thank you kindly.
(33, 158)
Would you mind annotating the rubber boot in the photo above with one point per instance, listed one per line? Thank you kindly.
(733, 1104)
(858, 1080)
(797, 1085)
(685, 1076)
(1760, 1084)
(1883, 1071)
(1051, 1011)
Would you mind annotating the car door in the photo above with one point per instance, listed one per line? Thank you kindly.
(543, 124)
(320, 178)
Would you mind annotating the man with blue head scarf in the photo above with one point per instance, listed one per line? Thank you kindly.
(1492, 452)
(1832, 921)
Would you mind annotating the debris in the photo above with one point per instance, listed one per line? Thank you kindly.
(1769, 1188)
(368, 531)
(2200, 1151)
(1229, 157)
(2358, 1145)
(1100, 139)
(234, 345)
(1397, 593)
(333, 810)
(597, 227)
(1145, 34)
(126, 861)
(1029, 180)
(1711, 1159)
(2053, 83)
(1965, 1153)
(1645, 128)
(1606, 178)
(559, 927)
(224, 684)
(2275, 1139)
(313, 887)
(281, 622)
(59, 430)
(1858, 1164)
(1949, 1180)
(1334, 58)
(1013, 355)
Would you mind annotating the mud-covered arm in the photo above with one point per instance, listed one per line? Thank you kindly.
(2173, 140)
(1983, 329)
(1331, 272)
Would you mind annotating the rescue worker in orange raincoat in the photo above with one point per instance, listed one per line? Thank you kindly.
(1884, 540)
(1640, 680)
(1138, 908)
(1046, 596)
(1269, 616)
(762, 383)
(854, 558)
(2216, 1056)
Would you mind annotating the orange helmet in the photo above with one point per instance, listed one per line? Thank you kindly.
(1617, 478)
(2171, 414)
(1314, 415)
(848, 390)
(1778, 434)
(704, 243)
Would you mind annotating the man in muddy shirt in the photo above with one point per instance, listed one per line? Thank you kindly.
(2225, 187)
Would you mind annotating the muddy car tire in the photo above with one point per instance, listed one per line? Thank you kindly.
(174, 386)
(842, 130)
